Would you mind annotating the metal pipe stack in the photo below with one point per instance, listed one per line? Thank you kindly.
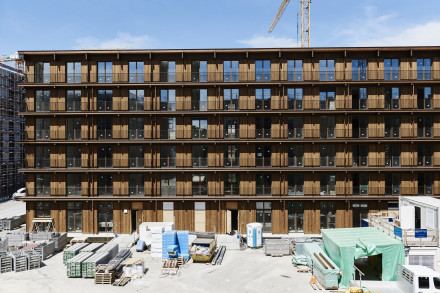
(116, 263)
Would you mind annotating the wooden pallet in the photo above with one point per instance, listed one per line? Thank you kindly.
(170, 267)
(122, 281)
(302, 269)
(104, 278)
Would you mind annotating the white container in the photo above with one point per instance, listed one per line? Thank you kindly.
(254, 233)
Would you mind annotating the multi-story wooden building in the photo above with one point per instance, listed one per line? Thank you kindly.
(298, 139)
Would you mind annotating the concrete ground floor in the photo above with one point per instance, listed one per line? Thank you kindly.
(123, 216)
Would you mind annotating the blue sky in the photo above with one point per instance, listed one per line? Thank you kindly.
(181, 24)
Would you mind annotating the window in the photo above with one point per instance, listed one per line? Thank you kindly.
(360, 155)
(295, 215)
(392, 126)
(73, 184)
(42, 128)
(105, 74)
(359, 69)
(42, 209)
(105, 217)
(392, 183)
(295, 99)
(424, 98)
(264, 215)
(42, 157)
(294, 70)
(392, 155)
(295, 184)
(328, 214)
(42, 72)
(262, 70)
(199, 155)
(263, 155)
(359, 127)
(73, 100)
(327, 155)
(424, 155)
(199, 128)
(424, 183)
(136, 72)
(168, 184)
(230, 99)
(105, 157)
(136, 156)
(105, 100)
(392, 98)
(73, 129)
(199, 184)
(42, 184)
(436, 282)
(230, 71)
(231, 128)
(263, 184)
(231, 184)
(105, 128)
(73, 72)
(327, 70)
(168, 128)
(105, 184)
(199, 100)
(168, 100)
(74, 216)
(42, 101)
(360, 183)
(295, 155)
(136, 128)
(262, 99)
(199, 71)
(423, 282)
(327, 184)
(263, 127)
(136, 100)
(73, 156)
(359, 98)
(391, 69)
(295, 127)
(232, 156)
(424, 69)
(424, 126)
(168, 156)
(136, 184)
(167, 71)
(327, 99)
(327, 127)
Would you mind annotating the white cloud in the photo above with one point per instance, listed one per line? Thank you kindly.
(268, 42)
(121, 41)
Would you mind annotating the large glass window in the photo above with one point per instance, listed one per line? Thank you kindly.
(199, 100)
(359, 69)
(168, 156)
(295, 127)
(231, 128)
(230, 71)
(73, 100)
(392, 155)
(73, 72)
(136, 156)
(136, 128)
(262, 99)
(105, 72)
(231, 156)
(424, 184)
(199, 156)
(295, 98)
(327, 70)
(359, 127)
(105, 100)
(392, 183)
(360, 155)
(42, 128)
(167, 71)
(73, 184)
(42, 157)
(263, 127)
(136, 72)
(424, 98)
(327, 127)
(327, 155)
(42, 101)
(359, 98)
(42, 209)
(295, 215)
(295, 184)
(392, 126)
(392, 97)
(168, 184)
(231, 183)
(42, 72)
(199, 128)
(327, 99)
(263, 184)
(199, 71)
(168, 100)
(199, 184)
(136, 184)
(136, 100)
(168, 128)
(105, 184)
(424, 69)
(263, 155)
(105, 128)
(327, 184)
(105, 157)
(424, 155)
(360, 183)
(262, 70)
(42, 184)
(230, 99)
(294, 70)
(424, 126)
(391, 69)
(264, 215)
(73, 156)
(73, 129)
(328, 215)
(74, 216)
(105, 217)
(295, 155)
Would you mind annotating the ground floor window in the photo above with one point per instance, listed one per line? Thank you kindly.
(105, 217)
(264, 215)
(74, 216)
(328, 214)
(295, 216)
(360, 212)
(42, 209)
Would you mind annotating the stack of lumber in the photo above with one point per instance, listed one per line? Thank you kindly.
(93, 247)
(122, 281)
(14, 222)
(89, 265)
(33, 258)
(74, 265)
(17, 238)
(20, 261)
(5, 262)
(73, 251)
(104, 276)
(112, 248)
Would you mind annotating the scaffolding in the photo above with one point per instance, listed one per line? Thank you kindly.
(11, 130)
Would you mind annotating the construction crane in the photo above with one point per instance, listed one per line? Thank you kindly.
(305, 20)
(18, 59)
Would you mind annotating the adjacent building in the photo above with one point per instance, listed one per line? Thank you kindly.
(297, 139)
